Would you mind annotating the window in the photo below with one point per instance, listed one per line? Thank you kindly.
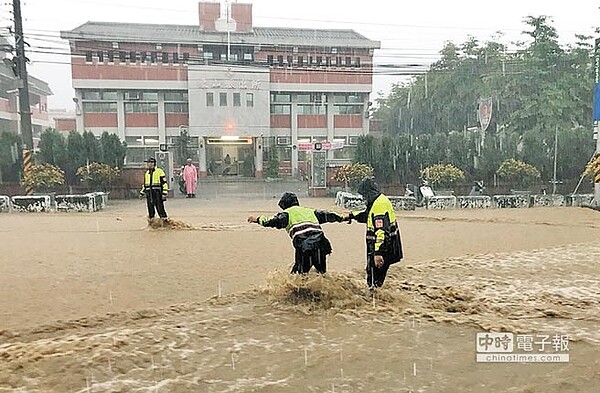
(165, 58)
(144, 57)
(88, 56)
(153, 57)
(348, 109)
(310, 61)
(338, 61)
(250, 100)
(133, 56)
(319, 60)
(92, 95)
(357, 62)
(186, 57)
(100, 107)
(300, 61)
(278, 97)
(280, 60)
(175, 58)
(111, 56)
(223, 99)
(348, 98)
(310, 109)
(141, 107)
(122, 56)
(279, 109)
(328, 61)
(176, 96)
(109, 95)
(210, 99)
(237, 99)
(149, 96)
(100, 56)
(348, 61)
(176, 107)
(290, 60)
(270, 59)
(317, 98)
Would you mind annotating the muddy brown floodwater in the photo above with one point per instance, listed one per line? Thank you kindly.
(100, 303)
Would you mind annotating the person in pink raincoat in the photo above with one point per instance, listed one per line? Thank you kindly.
(190, 176)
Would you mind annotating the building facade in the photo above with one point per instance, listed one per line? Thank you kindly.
(239, 94)
(9, 101)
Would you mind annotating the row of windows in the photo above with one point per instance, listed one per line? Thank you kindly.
(319, 98)
(138, 95)
(149, 107)
(313, 61)
(303, 109)
(236, 99)
(134, 56)
(100, 107)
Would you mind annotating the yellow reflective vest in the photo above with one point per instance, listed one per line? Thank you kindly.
(301, 220)
(383, 234)
(155, 180)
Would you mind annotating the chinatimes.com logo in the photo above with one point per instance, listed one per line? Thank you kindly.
(522, 348)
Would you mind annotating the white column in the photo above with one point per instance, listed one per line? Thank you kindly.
(79, 125)
(258, 157)
(330, 124)
(366, 120)
(202, 172)
(294, 115)
(162, 129)
(121, 115)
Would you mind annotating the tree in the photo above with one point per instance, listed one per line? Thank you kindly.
(536, 89)
(53, 149)
(113, 150)
(443, 175)
(98, 176)
(10, 157)
(45, 177)
(518, 173)
(352, 174)
(91, 147)
(76, 155)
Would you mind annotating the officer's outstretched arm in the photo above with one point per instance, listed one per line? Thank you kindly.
(279, 221)
(325, 216)
(359, 216)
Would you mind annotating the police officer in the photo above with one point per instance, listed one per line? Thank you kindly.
(303, 226)
(384, 246)
(155, 189)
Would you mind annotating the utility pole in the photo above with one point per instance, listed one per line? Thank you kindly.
(21, 60)
(24, 107)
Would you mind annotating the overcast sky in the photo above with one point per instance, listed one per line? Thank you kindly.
(409, 31)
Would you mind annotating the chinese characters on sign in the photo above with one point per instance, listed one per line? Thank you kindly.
(229, 84)
(530, 348)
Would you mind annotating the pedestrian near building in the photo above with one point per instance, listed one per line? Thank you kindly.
(384, 245)
(190, 176)
(155, 189)
(303, 226)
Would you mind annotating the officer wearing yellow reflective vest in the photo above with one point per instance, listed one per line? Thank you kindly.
(155, 189)
(384, 245)
(303, 226)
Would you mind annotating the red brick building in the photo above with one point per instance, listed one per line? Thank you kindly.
(239, 91)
